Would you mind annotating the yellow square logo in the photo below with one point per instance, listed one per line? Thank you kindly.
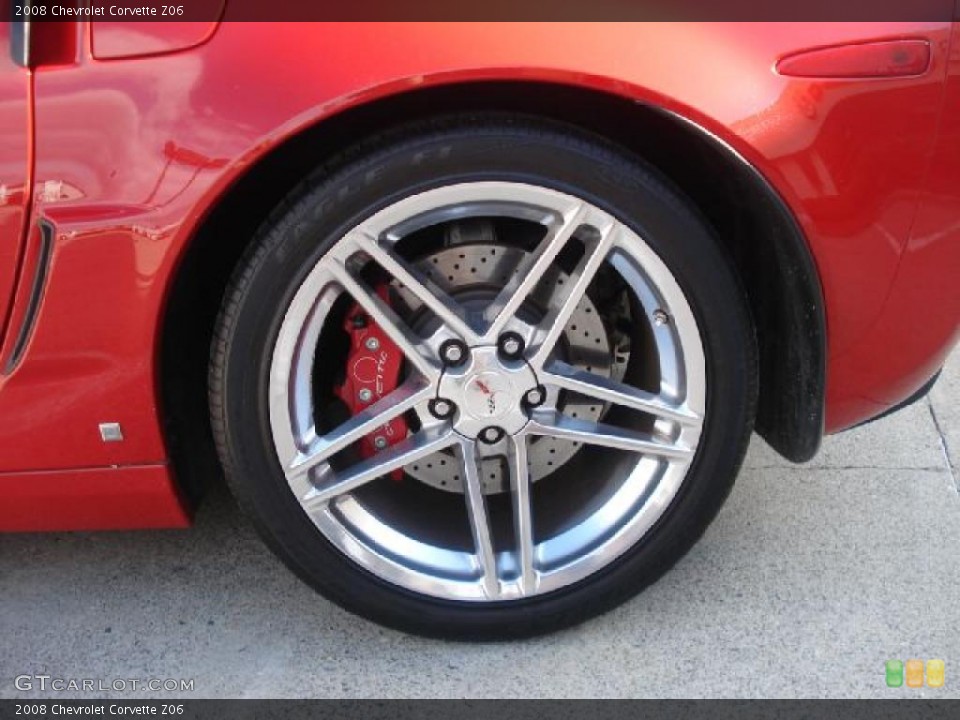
(935, 673)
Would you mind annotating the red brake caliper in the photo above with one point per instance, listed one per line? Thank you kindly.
(373, 371)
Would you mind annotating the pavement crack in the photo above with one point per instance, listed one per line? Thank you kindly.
(944, 446)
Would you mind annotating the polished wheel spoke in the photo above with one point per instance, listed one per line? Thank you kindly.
(479, 521)
(530, 274)
(553, 424)
(607, 390)
(333, 483)
(323, 447)
(448, 311)
(522, 514)
(565, 300)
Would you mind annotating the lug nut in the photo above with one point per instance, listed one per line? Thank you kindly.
(453, 353)
(372, 344)
(441, 408)
(365, 395)
(491, 435)
(511, 345)
(535, 396)
(379, 442)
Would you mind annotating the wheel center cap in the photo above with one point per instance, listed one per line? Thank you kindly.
(488, 396)
(488, 392)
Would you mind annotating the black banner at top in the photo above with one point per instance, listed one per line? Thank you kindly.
(487, 10)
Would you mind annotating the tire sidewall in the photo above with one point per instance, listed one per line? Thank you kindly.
(328, 205)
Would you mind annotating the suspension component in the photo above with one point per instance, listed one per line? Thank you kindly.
(372, 372)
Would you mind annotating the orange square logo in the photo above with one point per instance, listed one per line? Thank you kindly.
(914, 673)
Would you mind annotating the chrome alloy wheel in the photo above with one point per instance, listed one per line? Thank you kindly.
(512, 389)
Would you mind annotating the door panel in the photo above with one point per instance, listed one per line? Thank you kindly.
(14, 168)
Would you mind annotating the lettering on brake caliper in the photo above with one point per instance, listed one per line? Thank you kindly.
(372, 372)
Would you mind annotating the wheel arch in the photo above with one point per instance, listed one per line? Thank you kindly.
(749, 216)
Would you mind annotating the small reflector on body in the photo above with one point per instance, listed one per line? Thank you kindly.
(882, 59)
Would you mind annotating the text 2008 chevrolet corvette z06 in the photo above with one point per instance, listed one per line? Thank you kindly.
(477, 319)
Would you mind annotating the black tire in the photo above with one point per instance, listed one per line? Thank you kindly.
(377, 174)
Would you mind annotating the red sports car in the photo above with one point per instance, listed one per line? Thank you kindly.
(477, 319)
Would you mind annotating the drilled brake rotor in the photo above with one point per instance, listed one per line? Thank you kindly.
(479, 271)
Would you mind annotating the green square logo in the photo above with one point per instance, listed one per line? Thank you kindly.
(894, 673)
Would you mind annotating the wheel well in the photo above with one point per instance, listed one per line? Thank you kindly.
(751, 220)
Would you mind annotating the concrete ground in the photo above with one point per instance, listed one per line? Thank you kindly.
(809, 580)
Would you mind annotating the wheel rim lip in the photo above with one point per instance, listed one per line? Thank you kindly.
(565, 558)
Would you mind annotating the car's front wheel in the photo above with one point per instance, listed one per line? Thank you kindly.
(483, 378)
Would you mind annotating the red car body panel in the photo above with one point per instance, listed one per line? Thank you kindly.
(137, 496)
(15, 165)
(112, 39)
(132, 154)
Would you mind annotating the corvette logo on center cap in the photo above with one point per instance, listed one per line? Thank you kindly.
(491, 396)
(487, 396)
